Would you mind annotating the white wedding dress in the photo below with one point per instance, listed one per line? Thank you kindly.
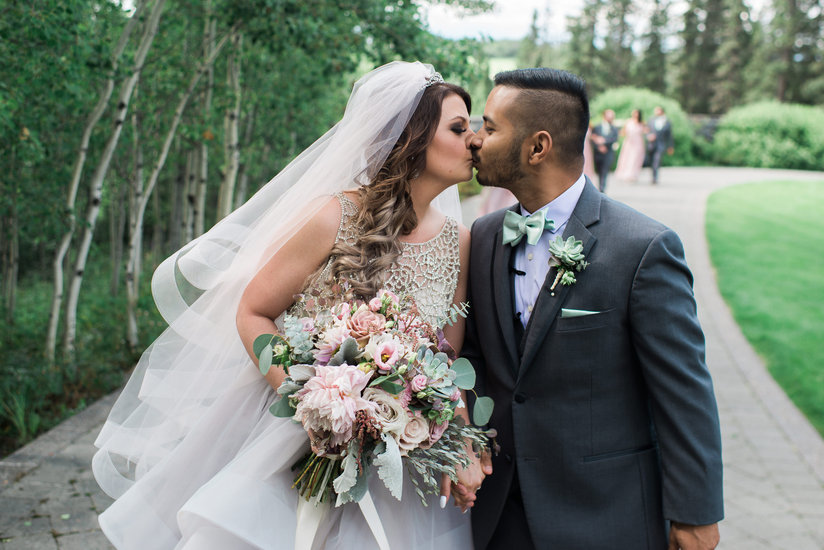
(227, 485)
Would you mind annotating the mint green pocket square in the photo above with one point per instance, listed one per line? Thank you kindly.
(569, 313)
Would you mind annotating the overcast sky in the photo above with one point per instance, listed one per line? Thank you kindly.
(510, 19)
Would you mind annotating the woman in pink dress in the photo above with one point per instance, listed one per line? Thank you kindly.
(631, 158)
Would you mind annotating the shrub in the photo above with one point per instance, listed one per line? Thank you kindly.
(626, 98)
(771, 135)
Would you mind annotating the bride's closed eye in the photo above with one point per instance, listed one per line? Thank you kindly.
(459, 129)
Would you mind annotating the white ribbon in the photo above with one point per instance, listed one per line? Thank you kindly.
(367, 506)
(309, 518)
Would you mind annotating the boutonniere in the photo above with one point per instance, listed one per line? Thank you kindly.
(568, 257)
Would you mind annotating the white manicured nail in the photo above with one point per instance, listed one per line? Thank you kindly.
(443, 501)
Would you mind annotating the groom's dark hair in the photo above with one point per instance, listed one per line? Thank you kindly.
(551, 100)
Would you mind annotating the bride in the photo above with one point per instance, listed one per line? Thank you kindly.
(190, 452)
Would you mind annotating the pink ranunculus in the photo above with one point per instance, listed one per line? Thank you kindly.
(436, 431)
(375, 304)
(328, 401)
(364, 323)
(419, 382)
(386, 354)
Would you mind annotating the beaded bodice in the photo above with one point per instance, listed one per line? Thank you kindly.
(427, 271)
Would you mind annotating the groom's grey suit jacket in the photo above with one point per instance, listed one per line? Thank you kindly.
(608, 421)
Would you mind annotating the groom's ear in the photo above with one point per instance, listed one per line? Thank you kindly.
(540, 143)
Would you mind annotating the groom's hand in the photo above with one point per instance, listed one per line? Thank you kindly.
(693, 537)
(469, 482)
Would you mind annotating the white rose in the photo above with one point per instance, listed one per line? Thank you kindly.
(389, 411)
(415, 433)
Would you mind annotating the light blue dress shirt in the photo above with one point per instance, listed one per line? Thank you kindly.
(534, 259)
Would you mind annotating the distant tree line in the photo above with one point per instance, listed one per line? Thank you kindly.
(710, 55)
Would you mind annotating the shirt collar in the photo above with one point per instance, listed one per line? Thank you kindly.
(560, 209)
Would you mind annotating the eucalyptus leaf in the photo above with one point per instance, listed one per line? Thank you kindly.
(464, 373)
(265, 359)
(282, 408)
(260, 342)
(482, 411)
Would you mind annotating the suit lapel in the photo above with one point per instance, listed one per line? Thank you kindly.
(502, 289)
(586, 212)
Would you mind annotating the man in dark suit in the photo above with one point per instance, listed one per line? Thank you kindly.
(604, 408)
(604, 137)
(660, 139)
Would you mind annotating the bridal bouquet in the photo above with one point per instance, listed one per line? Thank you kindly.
(375, 387)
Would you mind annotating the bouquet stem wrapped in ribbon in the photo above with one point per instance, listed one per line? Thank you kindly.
(376, 388)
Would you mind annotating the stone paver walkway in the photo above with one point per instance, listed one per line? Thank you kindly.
(774, 459)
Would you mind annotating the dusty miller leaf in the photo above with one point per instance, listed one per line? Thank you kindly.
(390, 467)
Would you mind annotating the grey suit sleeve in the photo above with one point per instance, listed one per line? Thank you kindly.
(471, 349)
(670, 347)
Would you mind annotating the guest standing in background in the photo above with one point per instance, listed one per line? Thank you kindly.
(660, 138)
(604, 138)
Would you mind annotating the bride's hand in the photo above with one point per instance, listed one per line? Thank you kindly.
(469, 482)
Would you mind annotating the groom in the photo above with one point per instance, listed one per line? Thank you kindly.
(604, 408)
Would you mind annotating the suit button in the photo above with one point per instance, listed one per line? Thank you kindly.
(520, 398)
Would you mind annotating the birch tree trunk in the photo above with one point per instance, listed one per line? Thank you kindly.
(203, 173)
(117, 223)
(190, 195)
(65, 242)
(135, 250)
(243, 178)
(164, 152)
(98, 179)
(231, 150)
(10, 250)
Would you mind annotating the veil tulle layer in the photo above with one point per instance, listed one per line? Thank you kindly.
(198, 288)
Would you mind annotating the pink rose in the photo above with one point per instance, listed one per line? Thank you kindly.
(364, 323)
(419, 382)
(386, 354)
(375, 304)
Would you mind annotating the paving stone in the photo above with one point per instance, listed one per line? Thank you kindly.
(34, 542)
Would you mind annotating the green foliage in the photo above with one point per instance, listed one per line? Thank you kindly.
(770, 275)
(35, 396)
(771, 135)
(623, 100)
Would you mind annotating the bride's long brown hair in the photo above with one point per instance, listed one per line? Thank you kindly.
(385, 209)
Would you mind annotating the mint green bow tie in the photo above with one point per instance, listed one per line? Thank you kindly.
(516, 226)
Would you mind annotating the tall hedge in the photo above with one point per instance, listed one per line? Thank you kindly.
(625, 99)
(771, 135)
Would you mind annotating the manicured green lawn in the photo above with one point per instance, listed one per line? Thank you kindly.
(767, 244)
